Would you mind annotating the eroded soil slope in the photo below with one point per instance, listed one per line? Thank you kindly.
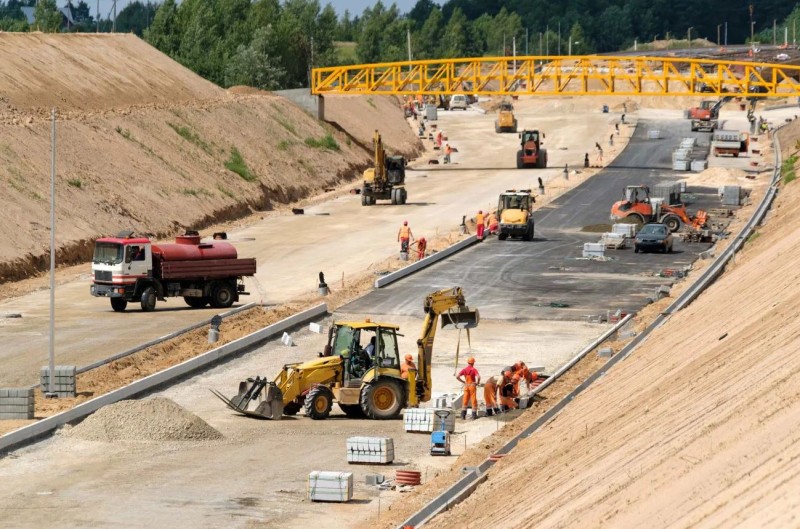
(145, 144)
(698, 428)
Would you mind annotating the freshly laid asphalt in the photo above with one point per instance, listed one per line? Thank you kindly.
(516, 280)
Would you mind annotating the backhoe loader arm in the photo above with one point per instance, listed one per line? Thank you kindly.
(380, 157)
(452, 304)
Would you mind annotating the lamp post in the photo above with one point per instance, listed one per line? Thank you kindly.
(689, 36)
(752, 25)
(719, 41)
(570, 45)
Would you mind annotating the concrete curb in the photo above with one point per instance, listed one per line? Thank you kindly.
(422, 263)
(39, 429)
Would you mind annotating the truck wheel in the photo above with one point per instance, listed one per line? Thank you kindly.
(403, 196)
(364, 200)
(119, 304)
(541, 159)
(672, 222)
(528, 233)
(353, 411)
(496, 128)
(520, 163)
(196, 302)
(319, 402)
(502, 236)
(382, 399)
(222, 296)
(149, 299)
(394, 196)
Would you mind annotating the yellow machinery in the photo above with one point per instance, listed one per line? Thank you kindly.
(385, 181)
(505, 122)
(514, 211)
(361, 381)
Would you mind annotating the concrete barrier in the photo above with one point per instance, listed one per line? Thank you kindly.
(427, 261)
(45, 426)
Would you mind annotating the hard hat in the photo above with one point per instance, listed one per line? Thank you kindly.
(409, 358)
(470, 360)
(405, 223)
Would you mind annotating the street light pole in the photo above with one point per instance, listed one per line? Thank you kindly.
(51, 378)
(689, 36)
(752, 25)
(719, 42)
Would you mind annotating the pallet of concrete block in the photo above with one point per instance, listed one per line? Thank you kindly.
(375, 450)
(670, 193)
(680, 165)
(330, 486)
(688, 143)
(622, 228)
(614, 241)
(64, 380)
(425, 420)
(699, 165)
(594, 249)
(731, 195)
(16, 403)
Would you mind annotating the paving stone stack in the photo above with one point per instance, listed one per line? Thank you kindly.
(16, 403)
(64, 381)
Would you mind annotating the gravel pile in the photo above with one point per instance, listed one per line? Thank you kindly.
(156, 419)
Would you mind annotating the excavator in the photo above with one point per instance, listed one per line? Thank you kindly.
(363, 383)
(706, 116)
(385, 181)
(638, 208)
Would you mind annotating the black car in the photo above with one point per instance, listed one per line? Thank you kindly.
(653, 237)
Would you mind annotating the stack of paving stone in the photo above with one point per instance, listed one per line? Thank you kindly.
(64, 381)
(16, 403)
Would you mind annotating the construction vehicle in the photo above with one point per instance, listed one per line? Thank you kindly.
(531, 152)
(345, 373)
(706, 117)
(638, 208)
(385, 181)
(729, 142)
(440, 439)
(128, 268)
(505, 122)
(514, 211)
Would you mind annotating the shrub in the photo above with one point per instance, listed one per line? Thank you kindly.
(237, 164)
(326, 142)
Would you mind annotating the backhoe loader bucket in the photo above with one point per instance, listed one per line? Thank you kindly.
(462, 319)
(270, 405)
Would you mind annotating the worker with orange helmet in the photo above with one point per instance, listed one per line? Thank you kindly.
(406, 366)
(470, 377)
(529, 377)
(480, 221)
(490, 396)
(404, 236)
(508, 391)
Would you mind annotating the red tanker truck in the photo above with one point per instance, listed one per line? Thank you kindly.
(128, 268)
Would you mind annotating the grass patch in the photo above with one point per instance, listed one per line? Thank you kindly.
(787, 169)
(237, 165)
(191, 136)
(226, 192)
(326, 142)
(753, 236)
(125, 133)
(75, 182)
(284, 145)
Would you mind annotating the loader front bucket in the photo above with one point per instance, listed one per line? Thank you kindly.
(267, 395)
(461, 319)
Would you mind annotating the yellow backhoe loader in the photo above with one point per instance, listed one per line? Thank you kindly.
(363, 381)
(385, 181)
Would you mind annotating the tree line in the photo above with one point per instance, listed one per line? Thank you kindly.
(273, 44)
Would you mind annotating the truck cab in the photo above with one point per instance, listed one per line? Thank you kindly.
(117, 264)
(514, 211)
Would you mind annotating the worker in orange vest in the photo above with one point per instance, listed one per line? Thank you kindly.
(422, 245)
(490, 396)
(507, 391)
(470, 377)
(447, 151)
(405, 366)
(404, 236)
(492, 224)
(480, 222)
(525, 374)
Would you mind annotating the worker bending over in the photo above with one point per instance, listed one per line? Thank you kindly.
(508, 391)
(470, 377)
(490, 396)
(406, 366)
(526, 375)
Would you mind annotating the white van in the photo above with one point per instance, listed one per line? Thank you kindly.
(458, 101)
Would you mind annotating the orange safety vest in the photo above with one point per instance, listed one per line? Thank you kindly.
(479, 218)
(448, 149)
(404, 232)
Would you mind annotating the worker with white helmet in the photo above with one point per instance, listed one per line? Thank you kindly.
(470, 377)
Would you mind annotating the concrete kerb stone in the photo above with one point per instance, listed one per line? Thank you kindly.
(427, 261)
(41, 428)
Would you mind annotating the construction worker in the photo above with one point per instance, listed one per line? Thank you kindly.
(404, 235)
(406, 365)
(447, 151)
(490, 396)
(422, 245)
(470, 377)
(439, 140)
(507, 391)
(480, 221)
(492, 224)
(529, 377)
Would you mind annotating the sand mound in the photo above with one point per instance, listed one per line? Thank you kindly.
(157, 419)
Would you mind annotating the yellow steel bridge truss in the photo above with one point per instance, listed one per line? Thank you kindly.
(574, 75)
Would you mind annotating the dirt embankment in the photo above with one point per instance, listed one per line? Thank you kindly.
(145, 144)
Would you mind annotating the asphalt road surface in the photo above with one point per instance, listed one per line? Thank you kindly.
(516, 280)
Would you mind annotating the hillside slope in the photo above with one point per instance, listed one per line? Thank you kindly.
(145, 144)
(698, 428)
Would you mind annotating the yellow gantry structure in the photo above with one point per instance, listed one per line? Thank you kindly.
(573, 75)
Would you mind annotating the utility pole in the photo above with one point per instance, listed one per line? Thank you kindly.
(51, 378)
(750, 7)
(726, 33)
(114, 25)
(514, 52)
(719, 42)
(774, 32)
(526, 42)
(689, 36)
(97, 16)
(559, 37)
(408, 42)
(547, 40)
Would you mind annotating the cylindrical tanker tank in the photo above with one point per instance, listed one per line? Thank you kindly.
(189, 248)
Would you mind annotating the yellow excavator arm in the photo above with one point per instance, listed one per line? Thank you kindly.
(379, 174)
(451, 306)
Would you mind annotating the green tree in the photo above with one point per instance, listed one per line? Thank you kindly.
(136, 17)
(455, 40)
(47, 17)
(256, 64)
(580, 43)
(426, 41)
(165, 32)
